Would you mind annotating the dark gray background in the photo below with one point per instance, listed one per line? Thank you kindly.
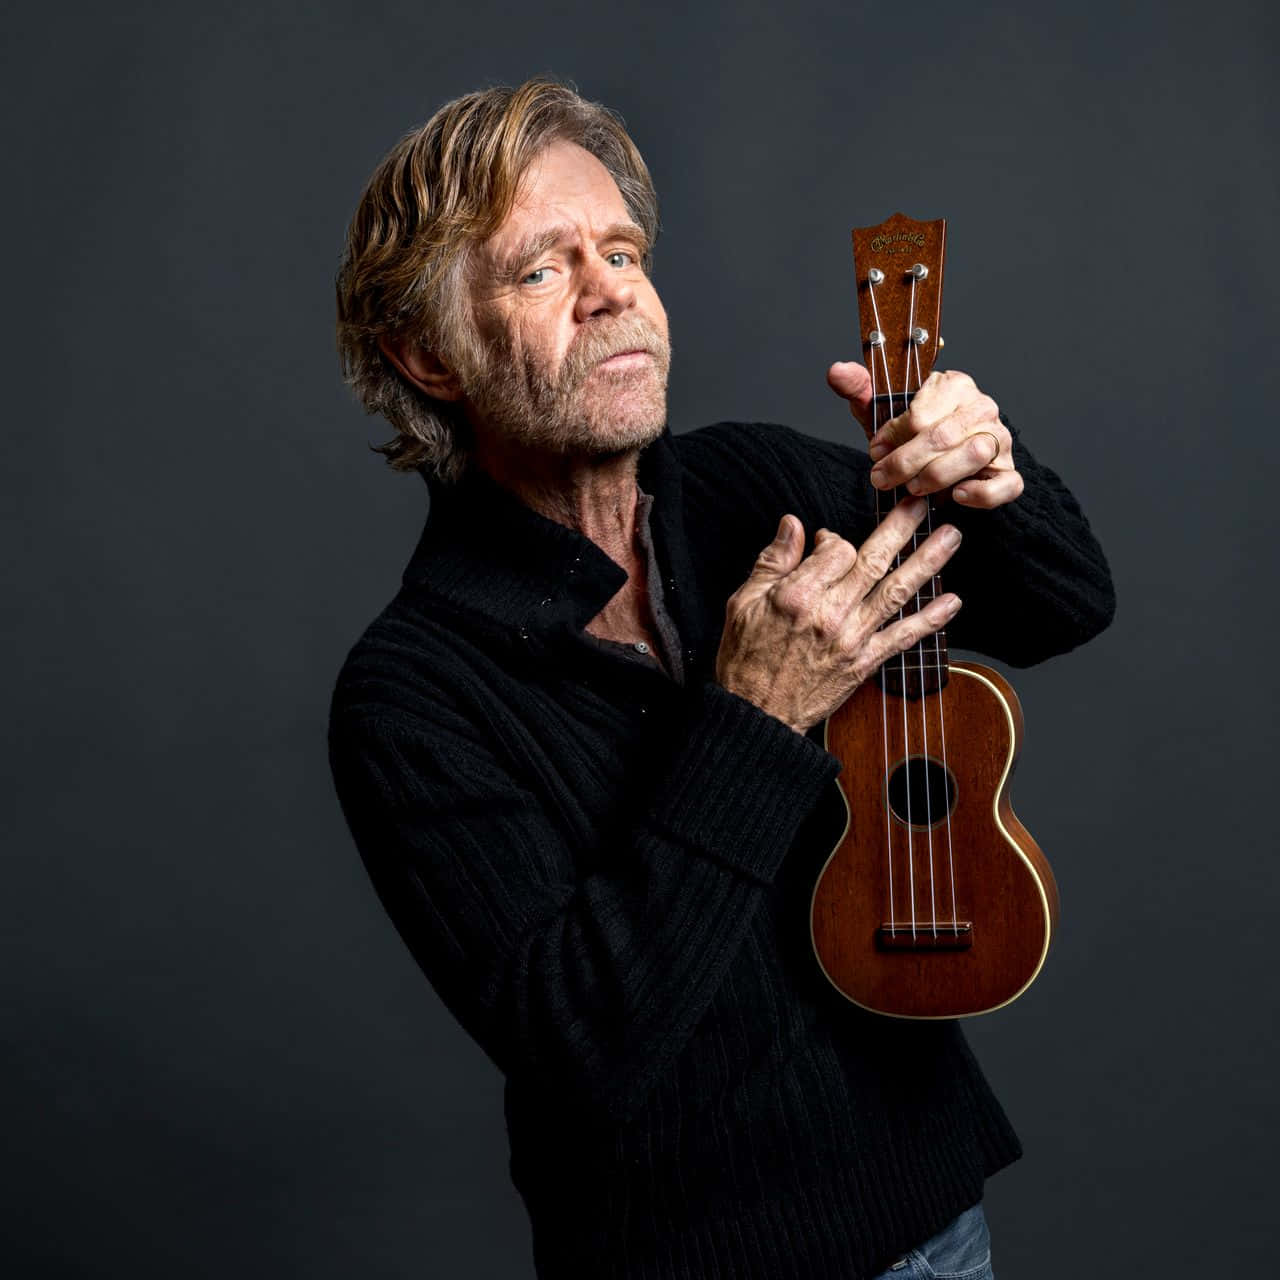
(220, 1059)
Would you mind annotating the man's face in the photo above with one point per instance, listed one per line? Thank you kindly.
(577, 340)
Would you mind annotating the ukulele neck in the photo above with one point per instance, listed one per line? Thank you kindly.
(899, 265)
(923, 668)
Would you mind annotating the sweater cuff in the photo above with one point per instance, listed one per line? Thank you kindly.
(739, 788)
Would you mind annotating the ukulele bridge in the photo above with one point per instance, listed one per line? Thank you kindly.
(926, 935)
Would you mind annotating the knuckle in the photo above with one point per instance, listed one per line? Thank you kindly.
(979, 449)
(848, 557)
(794, 599)
(825, 627)
(877, 563)
(897, 593)
(945, 434)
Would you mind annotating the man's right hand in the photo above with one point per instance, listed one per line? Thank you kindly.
(802, 633)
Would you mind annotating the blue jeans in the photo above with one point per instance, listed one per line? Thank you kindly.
(960, 1251)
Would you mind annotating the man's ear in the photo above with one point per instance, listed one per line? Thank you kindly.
(423, 368)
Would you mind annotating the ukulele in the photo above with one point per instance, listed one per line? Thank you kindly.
(936, 902)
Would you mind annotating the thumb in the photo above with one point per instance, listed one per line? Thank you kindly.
(851, 381)
(783, 553)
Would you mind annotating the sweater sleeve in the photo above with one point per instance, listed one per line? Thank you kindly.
(583, 984)
(1032, 577)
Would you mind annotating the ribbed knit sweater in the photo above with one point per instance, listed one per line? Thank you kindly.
(606, 875)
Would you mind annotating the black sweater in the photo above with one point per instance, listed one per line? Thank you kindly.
(606, 876)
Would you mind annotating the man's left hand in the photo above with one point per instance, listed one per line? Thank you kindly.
(950, 435)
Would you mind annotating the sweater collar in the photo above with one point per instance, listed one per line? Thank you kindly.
(485, 552)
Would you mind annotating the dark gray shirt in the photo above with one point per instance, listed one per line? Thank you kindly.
(667, 635)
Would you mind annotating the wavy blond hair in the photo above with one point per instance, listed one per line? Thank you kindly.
(440, 192)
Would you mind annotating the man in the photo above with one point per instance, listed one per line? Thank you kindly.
(578, 751)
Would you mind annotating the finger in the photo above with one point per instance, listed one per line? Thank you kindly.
(802, 593)
(902, 427)
(782, 555)
(851, 380)
(837, 576)
(987, 491)
(906, 632)
(940, 395)
(943, 390)
(976, 455)
(900, 587)
(889, 436)
(932, 437)
(880, 550)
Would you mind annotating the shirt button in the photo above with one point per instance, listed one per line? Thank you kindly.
(641, 647)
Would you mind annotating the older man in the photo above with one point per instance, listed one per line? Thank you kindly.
(578, 751)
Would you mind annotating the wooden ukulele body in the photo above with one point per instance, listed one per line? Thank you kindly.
(952, 913)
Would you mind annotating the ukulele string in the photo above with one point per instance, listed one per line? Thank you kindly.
(938, 667)
(911, 861)
(884, 707)
(913, 349)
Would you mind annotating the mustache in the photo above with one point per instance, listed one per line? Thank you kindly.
(598, 342)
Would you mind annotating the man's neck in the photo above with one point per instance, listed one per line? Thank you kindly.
(598, 498)
(595, 496)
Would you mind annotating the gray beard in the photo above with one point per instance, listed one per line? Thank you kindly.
(557, 414)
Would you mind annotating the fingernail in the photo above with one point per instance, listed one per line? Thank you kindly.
(916, 507)
(877, 475)
(950, 536)
(962, 494)
(877, 451)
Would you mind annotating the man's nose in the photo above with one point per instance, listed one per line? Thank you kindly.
(604, 290)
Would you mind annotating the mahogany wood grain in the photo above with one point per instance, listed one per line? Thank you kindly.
(1003, 883)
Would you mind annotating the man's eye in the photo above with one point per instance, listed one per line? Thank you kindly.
(536, 277)
(625, 259)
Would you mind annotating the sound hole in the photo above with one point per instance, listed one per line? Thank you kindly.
(921, 792)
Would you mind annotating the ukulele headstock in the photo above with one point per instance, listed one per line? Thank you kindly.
(899, 269)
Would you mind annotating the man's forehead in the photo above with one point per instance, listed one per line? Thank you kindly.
(564, 185)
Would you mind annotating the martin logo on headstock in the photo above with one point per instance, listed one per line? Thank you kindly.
(899, 265)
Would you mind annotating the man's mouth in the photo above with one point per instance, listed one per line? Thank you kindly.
(636, 355)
